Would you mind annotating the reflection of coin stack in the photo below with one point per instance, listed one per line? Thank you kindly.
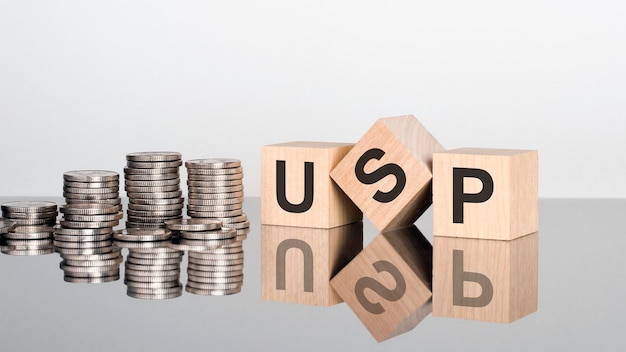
(32, 233)
(84, 237)
(216, 192)
(215, 256)
(152, 271)
(152, 183)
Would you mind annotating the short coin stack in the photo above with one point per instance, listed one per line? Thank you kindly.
(216, 192)
(152, 271)
(152, 184)
(215, 256)
(84, 237)
(32, 230)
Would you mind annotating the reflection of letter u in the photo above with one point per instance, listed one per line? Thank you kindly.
(281, 263)
(281, 186)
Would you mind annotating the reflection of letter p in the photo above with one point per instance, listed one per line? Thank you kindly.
(458, 194)
(459, 276)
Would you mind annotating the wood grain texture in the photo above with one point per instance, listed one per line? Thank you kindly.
(388, 285)
(511, 211)
(510, 266)
(297, 263)
(406, 143)
(330, 206)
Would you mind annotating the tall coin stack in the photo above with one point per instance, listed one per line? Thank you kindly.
(152, 184)
(32, 233)
(84, 236)
(152, 271)
(216, 192)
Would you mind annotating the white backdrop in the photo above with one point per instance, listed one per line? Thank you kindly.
(82, 83)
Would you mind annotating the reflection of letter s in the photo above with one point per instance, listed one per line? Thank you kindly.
(379, 174)
(384, 292)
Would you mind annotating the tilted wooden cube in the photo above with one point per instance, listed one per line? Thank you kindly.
(296, 188)
(297, 263)
(485, 193)
(488, 280)
(388, 172)
(388, 285)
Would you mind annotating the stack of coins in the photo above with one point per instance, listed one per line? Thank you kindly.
(152, 183)
(32, 233)
(215, 256)
(152, 271)
(216, 192)
(84, 237)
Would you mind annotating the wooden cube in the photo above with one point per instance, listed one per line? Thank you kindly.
(296, 189)
(388, 285)
(297, 263)
(388, 172)
(485, 193)
(486, 280)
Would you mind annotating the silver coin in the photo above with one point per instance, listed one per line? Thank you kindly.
(197, 291)
(93, 218)
(89, 225)
(195, 257)
(228, 249)
(221, 234)
(90, 209)
(197, 245)
(163, 201)
(28, 236)
(197, 264)
(234, 219)
(153, 156)
(156, 279)
(154, 195)
(214, 214)
(34, 222)
(161, 183)
(96, 238)
(82, 245)
(113, 254)
(216, 195)
(216, 280)
(154, 296)
(83, 251)
(89, 263)
(91, 190)
(96, 273)
(147, 225)
(153, 164)
(90, 197)
(159, 220)
(139, 261)
(153, 177)
(60, 230)
(152, 285)
(142, 235)
(155, 256)
(152, 273)
(154, 213)
(109, 184)
(7, 225)
(216, 268)
(155, 208)
(27, 252)
(91, 176)
(193, 225)
(213, 172)
(152, 189)
(45, 243)
(150, 171)
(163, 267)
(28, 206)
(225, 189)
(214, 202)
(140, 245)
(214, 178)
(90, 280)
(213, 163)
(214, 208)
(112, 201)
(28, 216)
(213, 274)
(204, 286)
(214, 183)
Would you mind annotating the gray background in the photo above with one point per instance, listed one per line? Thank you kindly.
(581, 303)
(83, 83)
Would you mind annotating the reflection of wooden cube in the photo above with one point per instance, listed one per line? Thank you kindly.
(388, 285)
(388, 172)
(296, 189)
(485, 193)
(485, 280)
(297, 263)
